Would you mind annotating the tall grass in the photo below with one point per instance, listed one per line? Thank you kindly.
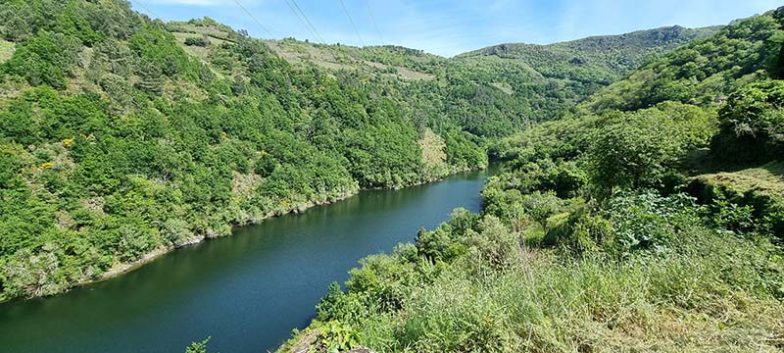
(674, 304)
(667, 280)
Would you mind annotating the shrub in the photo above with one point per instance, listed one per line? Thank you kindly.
(46, 59)
(198, 347)
(197, 41)
(631, 155)
(752, 124)
(541, 206)
(649, 221)
(580, 231)
(334, 336)
(732, 216)
(494, 246)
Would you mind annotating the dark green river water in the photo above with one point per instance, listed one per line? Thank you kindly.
(246, 291)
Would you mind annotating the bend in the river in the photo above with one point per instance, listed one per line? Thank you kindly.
(247, 291)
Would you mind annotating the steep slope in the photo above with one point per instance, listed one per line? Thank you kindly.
(498, 89)
(601, 59)
(638, 222)
(122, 137)
(555, 77)
(701, 73)
(735, 76)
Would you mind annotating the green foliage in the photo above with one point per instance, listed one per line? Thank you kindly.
(647, 221)
(90, 21)
(752, 124)
(159, 51)
(541, 207)
(636, 150)
(500, 296)
(198, 347)
(631, 155)
(625, 260)
(702, 72)
(553, 78)
(743, 201)
(439, 244)
(336, 337)
(44, 59)
(197, 41)
(129, 142)
(581, 231)
(731, 216)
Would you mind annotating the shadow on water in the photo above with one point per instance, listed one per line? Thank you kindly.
(247, 291)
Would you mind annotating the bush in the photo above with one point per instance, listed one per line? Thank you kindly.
(46, 59)
(648, 221)
(732, 216)
(752, 124)
(494, 245)
(580, 231)
(198, 347)
(631, 155)
(197, 41)
(541, 206)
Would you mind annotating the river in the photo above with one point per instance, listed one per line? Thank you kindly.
(246, 291)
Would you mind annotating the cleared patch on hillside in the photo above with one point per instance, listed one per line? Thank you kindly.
(195, 50)
(767, 179)
(433, 152)
(504, 87)
(295, 52)
(407, 74)
(339, 58)
(216, 34)
(6, 50)
(761, 188)
(200, 52)
(244, 185)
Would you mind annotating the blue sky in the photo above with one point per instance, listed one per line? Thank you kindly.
(449, 27)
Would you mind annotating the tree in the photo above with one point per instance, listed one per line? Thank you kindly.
(541, 206)
(634, 152)
(751, 125)
(46, 59)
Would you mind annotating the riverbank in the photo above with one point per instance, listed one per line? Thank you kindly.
(122, 268)
(264, 279)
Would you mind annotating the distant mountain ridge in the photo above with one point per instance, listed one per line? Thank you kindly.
(542, 80)
(671, 35)
(598, 58)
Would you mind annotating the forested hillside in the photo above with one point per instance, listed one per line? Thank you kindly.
(648, 219)
(551, 79)
(499, 89)
(123, 137)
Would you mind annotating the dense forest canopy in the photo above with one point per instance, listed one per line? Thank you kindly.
(121, 136)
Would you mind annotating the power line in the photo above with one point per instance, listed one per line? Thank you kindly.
(353, 25)
(301, 20)
(140, 4)
(373, 20)
(253, 18)
(304, 18)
